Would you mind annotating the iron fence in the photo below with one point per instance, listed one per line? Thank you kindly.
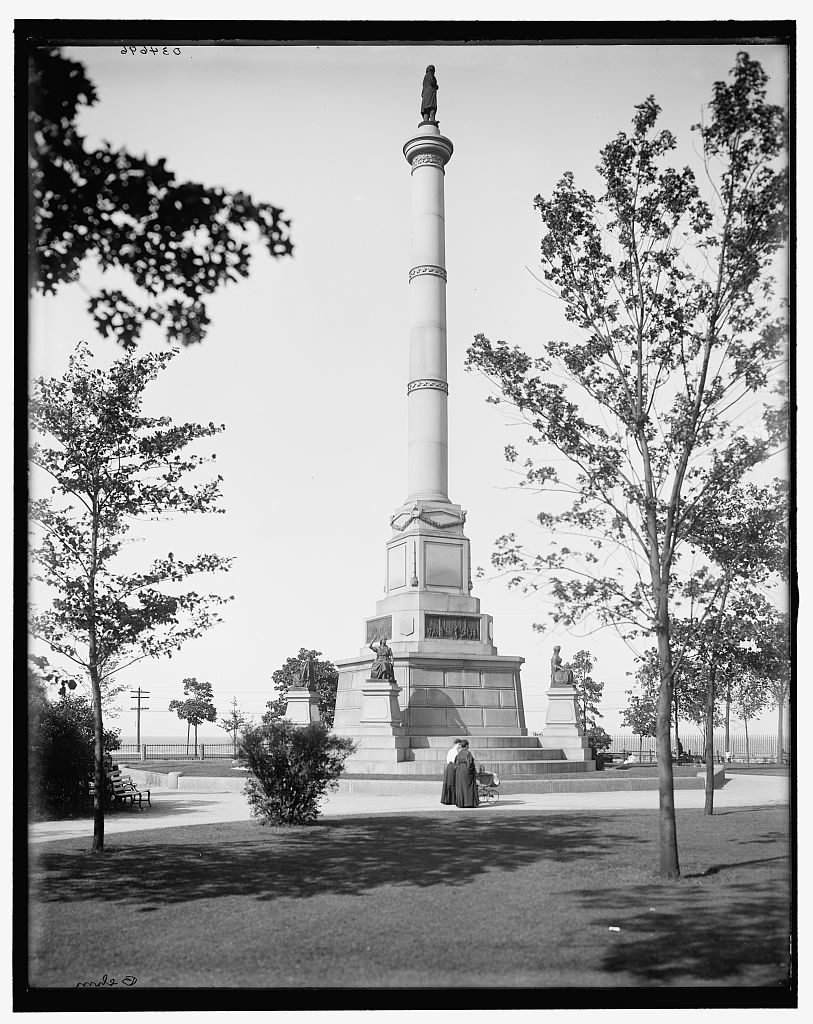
(177, 751)
(757, 747)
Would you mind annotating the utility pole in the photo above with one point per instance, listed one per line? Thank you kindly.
(138, 695)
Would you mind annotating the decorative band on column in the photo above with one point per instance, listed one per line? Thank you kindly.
(427, 268)
(428, 382)
(434, 159)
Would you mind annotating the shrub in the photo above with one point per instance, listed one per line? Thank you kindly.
(598, 739)
(291, 767)
(61, 754)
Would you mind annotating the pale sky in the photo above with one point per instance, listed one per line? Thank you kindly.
(306, 362)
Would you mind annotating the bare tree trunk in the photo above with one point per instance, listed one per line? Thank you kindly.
(708, 806)
(669, 866)
(780, 729)
(712, 675)
(747, 746)
(677, 737)
(196, 741)
(100, 782)
(728, 714)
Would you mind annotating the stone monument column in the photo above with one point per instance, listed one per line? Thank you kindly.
(427, 389)
(446, 677)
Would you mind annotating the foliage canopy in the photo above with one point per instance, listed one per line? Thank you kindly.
(287, 676)
(680, 336)
(110, 466)
(177, 241)
(60, 747)
(197, 706)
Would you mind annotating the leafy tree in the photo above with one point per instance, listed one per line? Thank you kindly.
(749, 696)
(779, 688)
(291, 767)
(768, 659)
(745, 536)
(198, 707)
(598, 741)
(42, 673)
(588, 690)
(693, 641)
(60, 745)
(641, 714)
(688, 694)
(673, 297)
(327, 681)
(179, 241)
(598, 738)
(233, 723)
(110, 465)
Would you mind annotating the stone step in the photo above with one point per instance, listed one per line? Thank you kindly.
(491, 753)
(503, 769)
(534, 768)
(475, 740)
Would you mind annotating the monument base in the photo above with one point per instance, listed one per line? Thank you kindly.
(562, 726)
(303, 707)
(438, 695)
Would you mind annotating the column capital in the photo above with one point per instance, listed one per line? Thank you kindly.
(428, 146)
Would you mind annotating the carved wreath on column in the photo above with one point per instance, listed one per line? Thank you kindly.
(428, 158)
(428, 382)
(424, 518)
(428, 268)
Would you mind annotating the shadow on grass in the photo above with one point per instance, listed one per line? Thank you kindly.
(715, 869)
(346, 856)
(158, 809)
(726, 921)
(743, 934)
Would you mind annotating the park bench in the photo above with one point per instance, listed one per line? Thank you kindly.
(108, 792)
(120, 789)
(124, 789)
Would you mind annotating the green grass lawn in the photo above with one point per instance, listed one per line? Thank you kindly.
(447, 898)
(208, 769)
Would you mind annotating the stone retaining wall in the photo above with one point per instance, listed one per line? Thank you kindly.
(594, 783)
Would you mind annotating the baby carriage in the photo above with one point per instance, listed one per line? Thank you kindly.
(487, 783)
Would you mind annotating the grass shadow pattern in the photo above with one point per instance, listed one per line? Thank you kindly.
(539, 891)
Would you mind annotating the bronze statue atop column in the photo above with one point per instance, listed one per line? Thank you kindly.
(429, 95)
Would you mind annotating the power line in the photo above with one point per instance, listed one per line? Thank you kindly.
(138, 694)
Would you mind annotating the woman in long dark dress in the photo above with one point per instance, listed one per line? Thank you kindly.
(465, 778)
(447, 793)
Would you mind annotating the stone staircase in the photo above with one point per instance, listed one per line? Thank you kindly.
(510, 757)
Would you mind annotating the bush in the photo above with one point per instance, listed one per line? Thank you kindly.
(61, 754)
(291, 767)
(598, 739)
